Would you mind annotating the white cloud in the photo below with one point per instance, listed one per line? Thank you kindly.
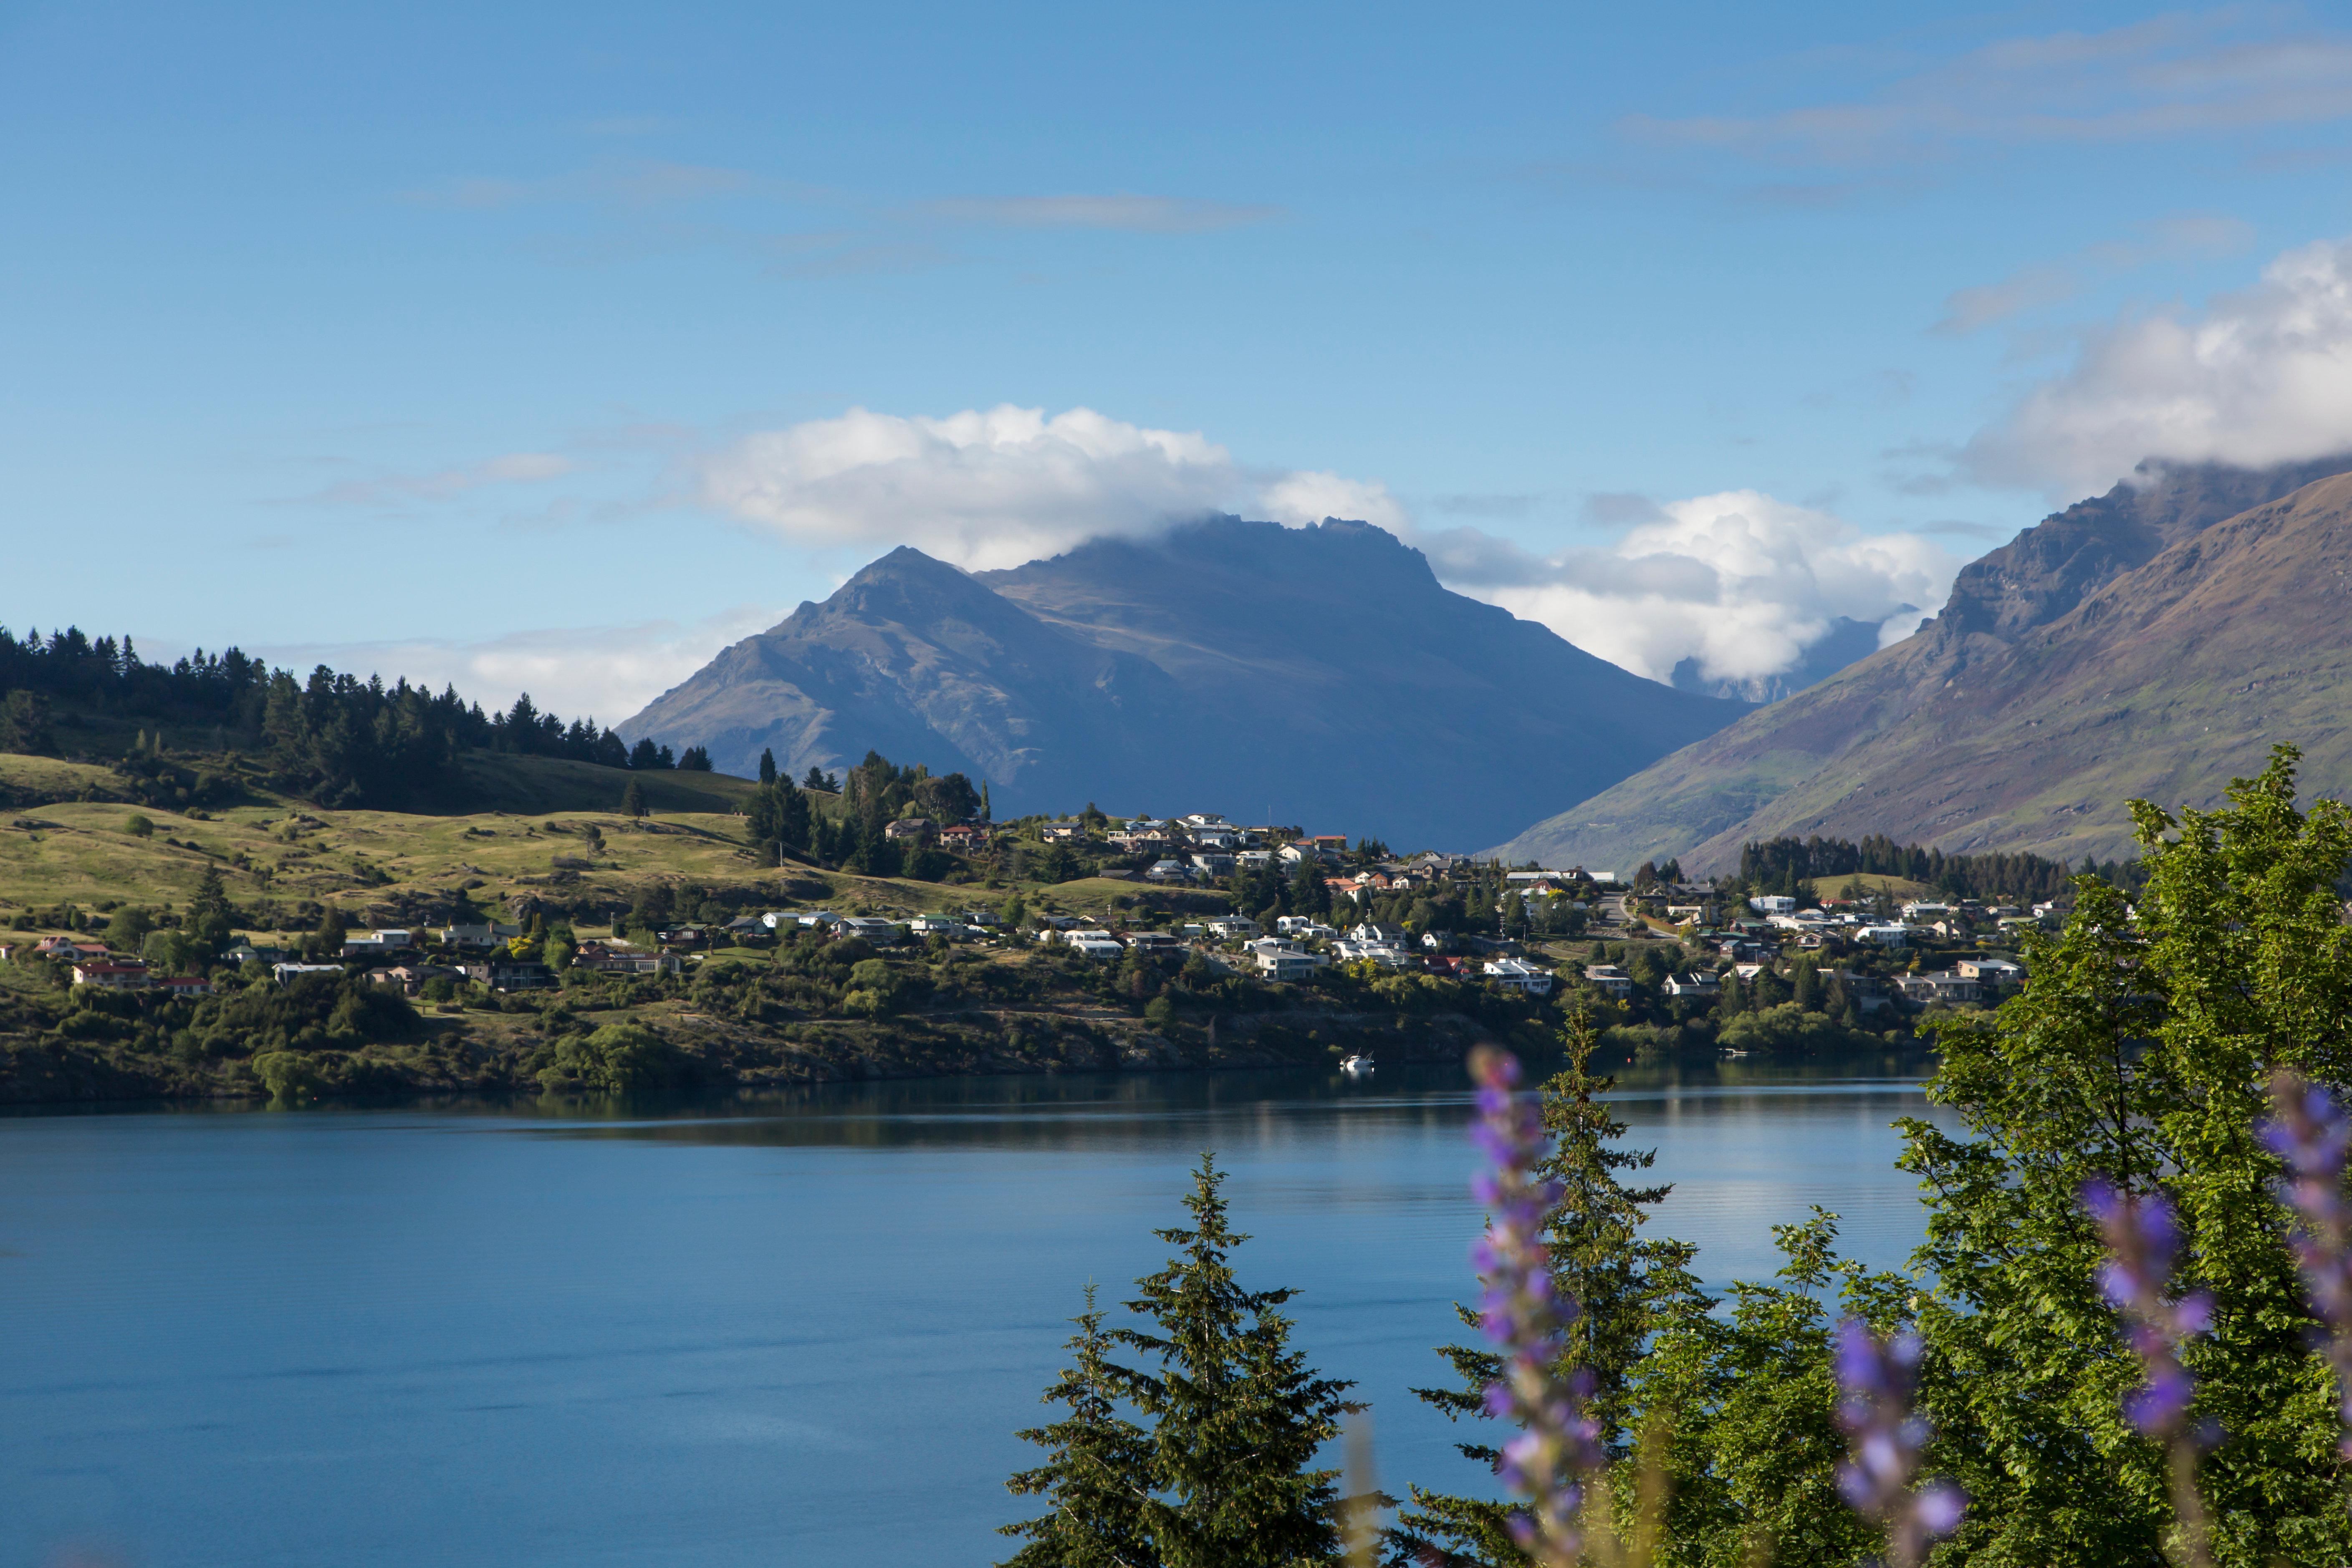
(997, 487)
(608, 673)
(2258, 377)
(1740, 581)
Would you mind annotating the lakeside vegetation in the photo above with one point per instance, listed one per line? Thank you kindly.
(2125, 1340)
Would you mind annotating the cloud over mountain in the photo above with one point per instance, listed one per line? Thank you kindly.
(994, 488)
(2258, 377)
(1740, 582)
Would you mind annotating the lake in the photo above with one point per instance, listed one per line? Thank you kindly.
(798, 1330)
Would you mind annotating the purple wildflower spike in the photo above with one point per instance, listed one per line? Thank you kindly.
(2143, 1238)
(2311, 1135)
(1876, 1377)
(1528, 1318)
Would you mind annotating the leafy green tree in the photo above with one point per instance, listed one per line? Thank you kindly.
(211, 920)
(1096, 1474)
(1237, 1416)
(619, 1058)
(2137, 1055)
(1308, 896)
(138, 827)
(128, 927)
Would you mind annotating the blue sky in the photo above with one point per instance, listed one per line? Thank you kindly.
(520, 344)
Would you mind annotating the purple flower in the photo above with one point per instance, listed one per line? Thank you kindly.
(1875, 1377)
(2311, 1135)
(1528, 1318)
(2143, 1238)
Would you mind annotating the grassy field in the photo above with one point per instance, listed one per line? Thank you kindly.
(1897, 888)
(381, 866)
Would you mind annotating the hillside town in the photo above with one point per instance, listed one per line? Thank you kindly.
(1265, 904)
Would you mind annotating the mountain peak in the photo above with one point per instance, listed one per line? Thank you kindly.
(1316, 674)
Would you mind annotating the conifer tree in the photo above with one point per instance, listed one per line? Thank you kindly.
(1096, 1474)
(1627, 1286)
(1237, 1415)
(767, 765)
(632, 800)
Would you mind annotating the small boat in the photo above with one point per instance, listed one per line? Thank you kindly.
(1357, 1066)
(1729, 1051)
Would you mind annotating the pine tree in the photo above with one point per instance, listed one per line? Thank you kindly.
(767, 765)
(1626, 1285)
(1237, 1414)
(1098, 1471)
(632, 800)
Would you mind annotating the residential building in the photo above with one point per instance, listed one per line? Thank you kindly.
(1943, 985)
(1387, 936)
(1153, 941)
(1773, 904)
(1332, 845)
(947, 926)
(520, 974)
(1215, 865)
(1609, 977)
(1061, 832)
(1169, 872)
(1517, 975)
(965, 838)
(1280, 961)
(1991, 970)
(185, 985)
(1915, 913)
(110, 975)
(880, 933)
(1225, 928)
(1094, 944)
(913, 829)
(623, 958)
(487, 935)
(1885, 935)
(1698, 985)
(287, 974)
(373, 944)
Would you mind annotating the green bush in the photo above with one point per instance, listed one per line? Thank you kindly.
(619, 1058)
(138, 827)
(1789, 1030)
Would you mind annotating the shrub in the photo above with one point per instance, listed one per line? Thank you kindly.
(138, 827)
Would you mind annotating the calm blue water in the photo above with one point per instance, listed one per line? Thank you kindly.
(798, 1332)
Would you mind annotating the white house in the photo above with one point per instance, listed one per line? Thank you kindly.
(1697, 986)
(1607, 976)
(1886, 936)
(1224, 928)
(1517, 974)
(1387, 936)
(1915, 913)
(1773, 904)
(1094, 946)
(1169, 872)
(880, 933)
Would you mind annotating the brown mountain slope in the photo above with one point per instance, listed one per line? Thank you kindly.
(2131, 645)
